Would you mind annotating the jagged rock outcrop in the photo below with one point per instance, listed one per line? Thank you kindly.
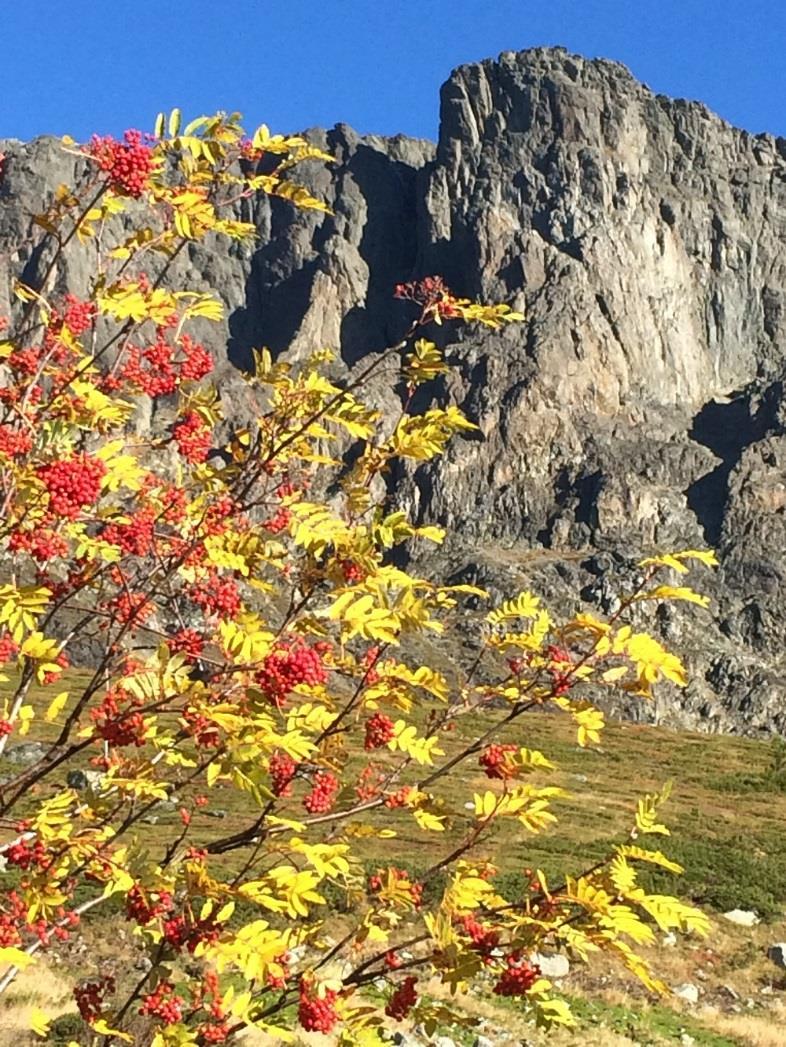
(641, 404)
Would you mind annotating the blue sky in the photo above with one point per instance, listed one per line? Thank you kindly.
(73, 66)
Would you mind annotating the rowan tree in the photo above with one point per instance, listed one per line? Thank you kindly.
(250, 638)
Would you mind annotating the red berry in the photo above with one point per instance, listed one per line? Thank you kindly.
(129, 164)
(403, 999)
(518, 978)
(72, 483)
(495, 761)
(193, 438)
(380, 729)
(323, 793)
(317, 1013)
(282, 770)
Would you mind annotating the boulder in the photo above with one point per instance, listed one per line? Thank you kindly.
(25, 753)
(742, 917)
(688, 992)
(552, 965)
(84, 779)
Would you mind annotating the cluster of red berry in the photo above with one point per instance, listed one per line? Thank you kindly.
(279, 521)
(282, 770)
(430, 293)
(352, 572)
(317, 1013)
(399, 798)
(561, 670)
(292, 662)
(26, 361)
(380, 729)
(131, 608)
(142, 907)
(183, 932)
(279, 981)
(129, 164)
(484, 939)
(368, 662)
(495, 761)
(518, 977)
(179, 931)
(403, 999)
(62, 662)
(369, 783)
(202, 729)
(26, 855)
(163, 1003)
(213, 1032)
(208, 997)
(8, 648)
(12, 917)
(72, 483)
(76, 315)
(43, 544)
(135, 536)
(14, 442)
(323, 793)
(193, 438)
(216, 596)
(90, 997)
(116, 720)
(186, 641)
(159, 369)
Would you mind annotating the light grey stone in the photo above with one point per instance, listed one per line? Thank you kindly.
(688, 992)
(742, 917)
(552, 965)
(84, 779)
(25, 753)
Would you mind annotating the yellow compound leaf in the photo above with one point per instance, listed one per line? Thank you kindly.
(525, 605)
(427, 820)
(102, 1026)
(16, 957)
(670, 592)
(39, 1023)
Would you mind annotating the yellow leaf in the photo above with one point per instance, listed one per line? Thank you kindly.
(39, 1023)
(612, 675)
(426, 820)
(16, 957)
(26, 717)
(670, 592)
(56, 706)
(102, 1027)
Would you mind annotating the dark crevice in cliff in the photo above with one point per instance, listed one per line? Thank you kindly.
(727, 428)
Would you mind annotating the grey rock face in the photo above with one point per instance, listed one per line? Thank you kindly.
(641, 404)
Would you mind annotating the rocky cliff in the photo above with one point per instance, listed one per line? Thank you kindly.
(641, 405)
